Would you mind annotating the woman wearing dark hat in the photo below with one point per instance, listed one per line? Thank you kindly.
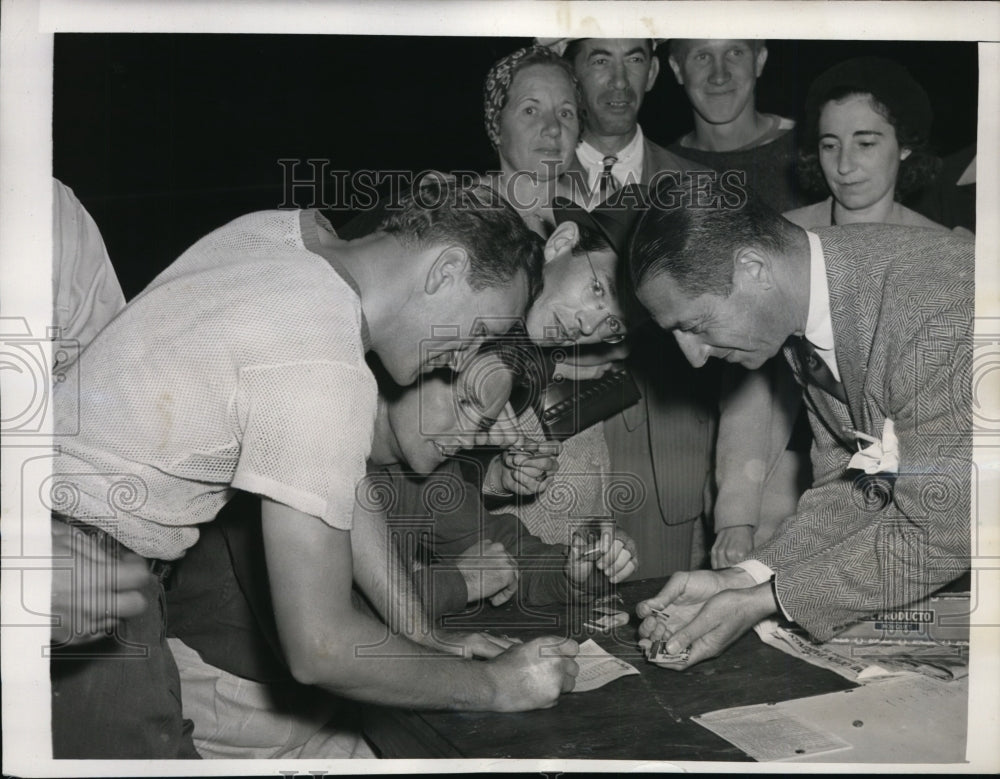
(867, 127)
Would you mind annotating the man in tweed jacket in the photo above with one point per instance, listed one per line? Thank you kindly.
(886, 310)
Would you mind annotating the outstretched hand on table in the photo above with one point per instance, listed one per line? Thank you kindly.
(713, 609)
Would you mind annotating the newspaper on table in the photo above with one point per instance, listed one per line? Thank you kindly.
(598, 667)
(864, 662)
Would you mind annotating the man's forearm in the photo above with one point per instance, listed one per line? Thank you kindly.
(365, 661)
(383, 576)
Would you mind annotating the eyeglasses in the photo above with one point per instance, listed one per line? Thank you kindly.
(615, 326)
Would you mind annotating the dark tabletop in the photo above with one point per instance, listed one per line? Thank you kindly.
(644, 717)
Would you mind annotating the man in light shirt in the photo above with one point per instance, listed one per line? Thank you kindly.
(881, 345)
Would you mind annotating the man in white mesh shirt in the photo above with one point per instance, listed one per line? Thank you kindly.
(242, 367)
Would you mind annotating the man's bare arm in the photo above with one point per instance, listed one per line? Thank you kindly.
(331, 644)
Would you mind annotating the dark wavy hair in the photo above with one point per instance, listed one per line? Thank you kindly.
(915, 172)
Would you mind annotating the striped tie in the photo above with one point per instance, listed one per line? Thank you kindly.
(606, 183)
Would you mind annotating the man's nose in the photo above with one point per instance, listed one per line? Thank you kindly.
(720, 71)
(619, 76)
(694, 350)
(590, 319)
(503, 432)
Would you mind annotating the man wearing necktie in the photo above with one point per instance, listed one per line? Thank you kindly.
(615, 74)
(666, 439)
(876, 323)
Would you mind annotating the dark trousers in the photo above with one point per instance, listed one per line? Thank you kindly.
(120, 697)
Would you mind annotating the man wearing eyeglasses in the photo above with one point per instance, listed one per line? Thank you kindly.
(666, 439)
(579, 306)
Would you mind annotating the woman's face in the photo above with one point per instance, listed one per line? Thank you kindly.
(858, 152)
(539, 126)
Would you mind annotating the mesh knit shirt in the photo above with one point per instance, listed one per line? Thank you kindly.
(240, 366)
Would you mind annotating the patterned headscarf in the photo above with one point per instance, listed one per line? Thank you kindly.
(501, 76)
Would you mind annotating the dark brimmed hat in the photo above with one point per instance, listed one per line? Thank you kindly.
(886, 80)
(613, 218)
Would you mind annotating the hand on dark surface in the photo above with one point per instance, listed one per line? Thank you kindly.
(533, 675)
(721, 620)
(682, 591)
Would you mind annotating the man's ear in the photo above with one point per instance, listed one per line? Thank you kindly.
(752, 267)
(449, 268)
(676, 68)
(904, 153)
(760, 59)
(654, 71)
(563, 239)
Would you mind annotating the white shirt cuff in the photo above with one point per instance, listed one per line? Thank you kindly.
(761, 573)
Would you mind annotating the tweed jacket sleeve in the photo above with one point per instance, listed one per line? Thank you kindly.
(902, 304)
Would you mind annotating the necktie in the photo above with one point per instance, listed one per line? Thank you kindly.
(606, 183)
(816, 371)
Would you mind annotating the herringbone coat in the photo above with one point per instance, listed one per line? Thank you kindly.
(901, 300)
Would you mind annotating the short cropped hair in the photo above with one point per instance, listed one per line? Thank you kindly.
(695, 244)
(497, 87)
(440, 211)
(677, 46)
(573, 48)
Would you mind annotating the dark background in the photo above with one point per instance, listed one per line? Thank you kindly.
(164, 137)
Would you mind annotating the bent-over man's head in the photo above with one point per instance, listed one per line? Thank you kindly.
(477, 268)
(729, 277)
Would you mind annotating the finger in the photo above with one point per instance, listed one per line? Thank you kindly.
(503, 642)
(480, 646)
(625, 572)
(576, 548)
(129, 604)
(613, 561)
(503, 596)
(532, 472)
(653, 629)
(550, 646)
(673, 589)
(568, 681)
(543, 463)
(132, 575)
(684, 637)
